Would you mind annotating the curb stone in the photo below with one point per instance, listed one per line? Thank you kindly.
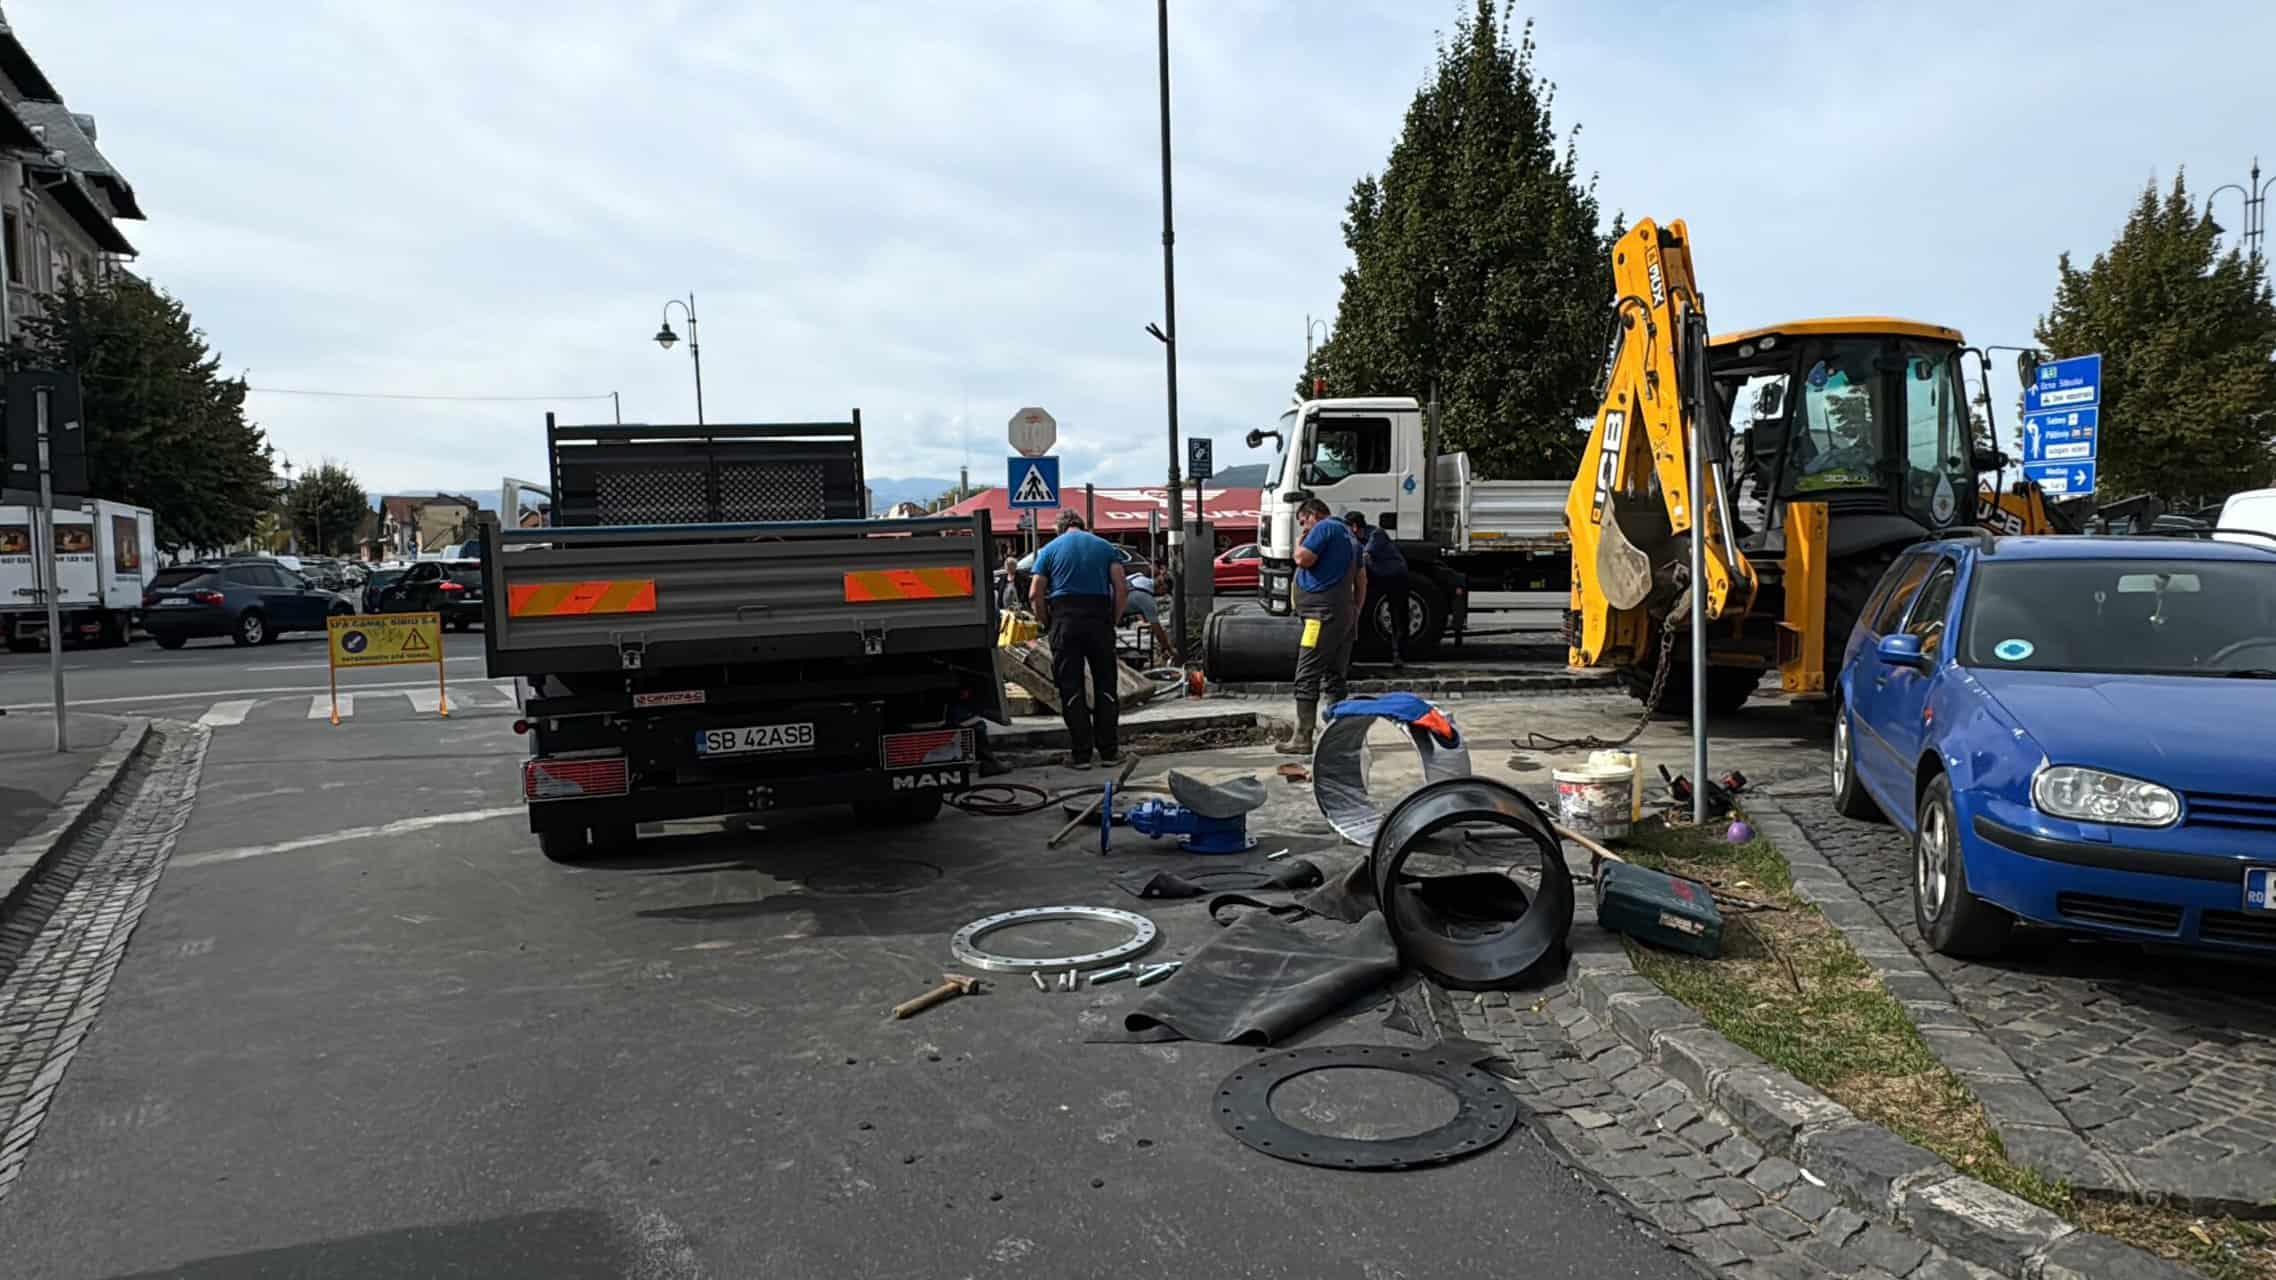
(1889, 1179)
(24, 860)
(1433, 687)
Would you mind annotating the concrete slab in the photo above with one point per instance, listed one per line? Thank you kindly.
(33, 777)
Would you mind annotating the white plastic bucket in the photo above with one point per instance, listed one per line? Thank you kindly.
(1596, 799)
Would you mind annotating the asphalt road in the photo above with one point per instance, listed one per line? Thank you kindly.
(143, 679)
(341, 1047)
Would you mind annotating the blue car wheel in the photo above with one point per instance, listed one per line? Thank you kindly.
(1951, 917)
(1849, 798)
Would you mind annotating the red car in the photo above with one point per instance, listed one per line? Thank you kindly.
(1236, 571)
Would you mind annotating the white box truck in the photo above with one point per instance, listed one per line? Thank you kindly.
(106, 554)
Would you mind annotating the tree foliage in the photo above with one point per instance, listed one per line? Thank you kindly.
(327, 509)
(2185, 333)
(164, 429)
(1477, 263)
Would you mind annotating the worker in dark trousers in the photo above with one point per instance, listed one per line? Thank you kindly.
(1331, 581)
(1077, 593)
(1386, 580)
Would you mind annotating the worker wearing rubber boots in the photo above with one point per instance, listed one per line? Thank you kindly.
(1331, 583)
(1078, 591)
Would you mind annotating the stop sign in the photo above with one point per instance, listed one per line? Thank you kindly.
(1033, 432)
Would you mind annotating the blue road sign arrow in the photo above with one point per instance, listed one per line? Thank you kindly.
(2065, 384)
(353, 642)
(1032, 483)
(2062, 435)
(2062, 479)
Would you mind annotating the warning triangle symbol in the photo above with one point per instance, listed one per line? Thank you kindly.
(413, 642)
(1034, 488)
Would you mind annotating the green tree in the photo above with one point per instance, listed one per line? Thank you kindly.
(327, 509)
(1477, 263)
(164, 429)
(2185, 333)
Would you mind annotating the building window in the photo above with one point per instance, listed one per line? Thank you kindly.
(43, 261)
(12, 244)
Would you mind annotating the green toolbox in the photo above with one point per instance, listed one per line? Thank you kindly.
(1655, 907)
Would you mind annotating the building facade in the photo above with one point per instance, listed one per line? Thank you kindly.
(61, 200)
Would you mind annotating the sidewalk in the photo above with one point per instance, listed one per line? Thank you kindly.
(33, 777)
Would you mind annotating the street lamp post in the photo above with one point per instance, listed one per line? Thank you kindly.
(1167, 335)
(2255, 193)
(665, 338)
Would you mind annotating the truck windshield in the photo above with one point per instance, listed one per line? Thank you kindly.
(2135, 615)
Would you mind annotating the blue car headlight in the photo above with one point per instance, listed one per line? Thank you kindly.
(2090, 795)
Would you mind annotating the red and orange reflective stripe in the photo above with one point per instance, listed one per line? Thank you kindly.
(866, 586)
(558, 599)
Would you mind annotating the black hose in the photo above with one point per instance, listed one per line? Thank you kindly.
(1003, 799)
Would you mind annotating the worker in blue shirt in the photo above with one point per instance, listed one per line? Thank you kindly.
(1386, 579)
(1077, 593)
(1331, 582)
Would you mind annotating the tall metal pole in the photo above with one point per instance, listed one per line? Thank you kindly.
(1169, 337)
(1695, 353)
(695, 352)
(51, 580)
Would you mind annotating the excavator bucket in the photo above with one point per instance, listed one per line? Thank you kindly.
(1633, 541)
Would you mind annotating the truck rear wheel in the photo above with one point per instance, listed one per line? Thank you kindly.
(901, 810)
(562, 844)
(1426, 620)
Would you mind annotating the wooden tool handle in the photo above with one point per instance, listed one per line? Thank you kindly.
(927, 1000)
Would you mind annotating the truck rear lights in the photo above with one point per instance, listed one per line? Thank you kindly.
(575, 777)
(925, 747)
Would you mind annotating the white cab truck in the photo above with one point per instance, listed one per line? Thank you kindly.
(1460, 534)
(106, 554)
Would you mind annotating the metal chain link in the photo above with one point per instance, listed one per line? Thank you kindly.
(1537, 742)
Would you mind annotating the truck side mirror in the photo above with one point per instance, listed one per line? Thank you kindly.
(1988, 459)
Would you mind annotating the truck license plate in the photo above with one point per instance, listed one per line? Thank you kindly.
(2260, 888)
(755, 738)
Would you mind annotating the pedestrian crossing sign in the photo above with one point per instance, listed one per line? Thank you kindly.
(1033, 483)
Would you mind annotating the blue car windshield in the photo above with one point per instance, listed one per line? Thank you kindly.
(2124, 616)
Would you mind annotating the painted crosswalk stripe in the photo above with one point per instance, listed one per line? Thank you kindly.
(223, 714)
(320, 706)
(506, 689)
(424, 702)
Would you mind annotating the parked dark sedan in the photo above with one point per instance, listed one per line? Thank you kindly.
(250, 601)
(377, 584)
(452, 588)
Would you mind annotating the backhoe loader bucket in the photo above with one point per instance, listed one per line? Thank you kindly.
(1632, 543)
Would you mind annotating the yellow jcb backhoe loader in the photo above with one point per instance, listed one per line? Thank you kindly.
(1829, 444)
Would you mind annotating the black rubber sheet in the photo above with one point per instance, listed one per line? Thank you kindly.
(1200, 879)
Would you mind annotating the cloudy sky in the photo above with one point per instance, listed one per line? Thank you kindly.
(940, 212)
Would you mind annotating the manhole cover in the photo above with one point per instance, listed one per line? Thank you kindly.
(892, 875)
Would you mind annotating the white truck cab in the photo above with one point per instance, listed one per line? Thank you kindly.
(1373, 455)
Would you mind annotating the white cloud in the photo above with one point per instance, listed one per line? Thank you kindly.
(940, 213)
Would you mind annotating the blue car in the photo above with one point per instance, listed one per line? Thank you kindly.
(2076, 732)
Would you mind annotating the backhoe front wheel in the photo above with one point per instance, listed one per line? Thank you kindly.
(1728, 689)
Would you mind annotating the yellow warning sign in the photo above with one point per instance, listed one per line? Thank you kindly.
(386, 639)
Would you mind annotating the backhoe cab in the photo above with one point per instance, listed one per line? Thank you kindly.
(1828, 445)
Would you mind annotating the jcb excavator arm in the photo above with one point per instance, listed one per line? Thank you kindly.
(1631, 508)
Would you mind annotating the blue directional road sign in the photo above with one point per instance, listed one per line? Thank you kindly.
(1033, 483)
(2062, 435)
(2061, 479)
(2065, 384)
(354, 641)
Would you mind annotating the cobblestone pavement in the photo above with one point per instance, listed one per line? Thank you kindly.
(1641, 1135)
(2160, 1061)
(60, 950)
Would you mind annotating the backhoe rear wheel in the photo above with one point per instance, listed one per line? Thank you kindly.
(1728, 689)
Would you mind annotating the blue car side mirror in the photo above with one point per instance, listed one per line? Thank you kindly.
(1902, 649)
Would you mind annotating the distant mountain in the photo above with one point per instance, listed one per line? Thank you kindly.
(910, 489)
(1249, 475)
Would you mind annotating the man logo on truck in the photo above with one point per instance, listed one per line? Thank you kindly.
(936, 778)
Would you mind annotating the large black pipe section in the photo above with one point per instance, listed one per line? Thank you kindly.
(1457, 950)
(1243, 642)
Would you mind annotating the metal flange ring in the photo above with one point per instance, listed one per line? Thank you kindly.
(1484, 1111)
(965, 943)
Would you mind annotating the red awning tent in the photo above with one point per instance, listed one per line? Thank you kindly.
(1123, 512)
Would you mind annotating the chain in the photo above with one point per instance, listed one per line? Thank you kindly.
(1537, 742)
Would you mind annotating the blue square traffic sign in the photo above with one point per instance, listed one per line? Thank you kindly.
(2065, 384)
(2061, 479)
(1032, 483)
(2062, 435)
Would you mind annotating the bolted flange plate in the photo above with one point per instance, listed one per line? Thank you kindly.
(965, 943)
(1484, 1111)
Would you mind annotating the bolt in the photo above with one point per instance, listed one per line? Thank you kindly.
(1157, 973)
(1039, 982)
(1275, 857)
(1109, 975)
